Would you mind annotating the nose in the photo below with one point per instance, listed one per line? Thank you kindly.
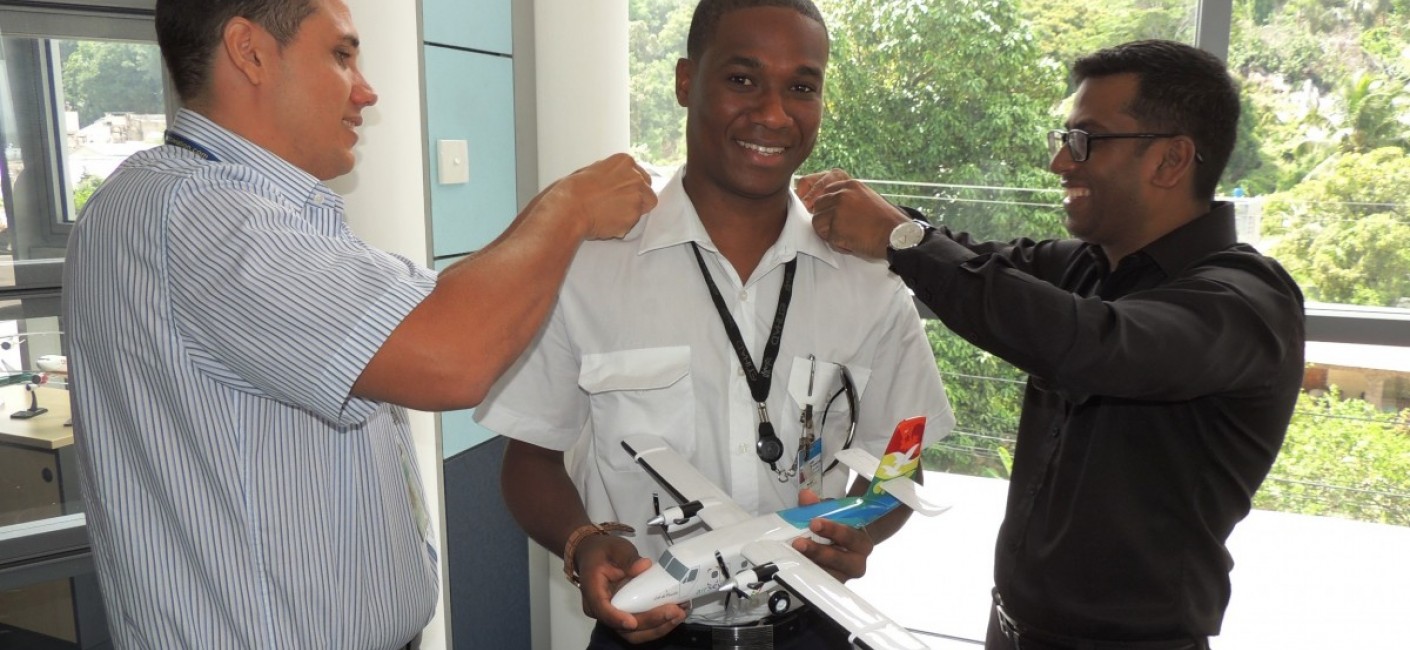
(769, 112)
(1061, 162)
(363, 93)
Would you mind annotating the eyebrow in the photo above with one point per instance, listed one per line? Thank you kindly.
(754, 64)
(353, 41)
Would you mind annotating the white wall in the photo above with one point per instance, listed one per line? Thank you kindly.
(580, 54)
(386, 198)
(581, 83)
(580, 51)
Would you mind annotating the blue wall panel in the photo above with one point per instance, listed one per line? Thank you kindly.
(475, 24)
(470, 97)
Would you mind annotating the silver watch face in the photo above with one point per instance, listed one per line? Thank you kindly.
(906, 235)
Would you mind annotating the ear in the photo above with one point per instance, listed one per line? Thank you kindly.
(246, 49)
(1177, 162)
(685, 69)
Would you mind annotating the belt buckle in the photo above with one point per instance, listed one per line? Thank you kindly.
(1006, 624)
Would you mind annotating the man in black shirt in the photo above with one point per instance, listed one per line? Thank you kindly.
(1164, 358)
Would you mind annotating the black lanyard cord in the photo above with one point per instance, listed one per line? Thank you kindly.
(760, 379)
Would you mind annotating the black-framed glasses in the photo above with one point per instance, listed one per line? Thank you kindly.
(1079, 142)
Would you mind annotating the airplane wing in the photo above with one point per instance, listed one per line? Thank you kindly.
(684, 481)
(868, 627)
(906, 491)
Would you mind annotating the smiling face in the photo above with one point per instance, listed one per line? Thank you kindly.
(1106, 199)
(754, 100)
(320, 93)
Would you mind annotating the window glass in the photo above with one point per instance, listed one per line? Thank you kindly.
(1321, 180)
(943, 106)
(72, 110)
(80, 90)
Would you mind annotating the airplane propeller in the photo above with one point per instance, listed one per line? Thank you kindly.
(730, 586)
(658, 519)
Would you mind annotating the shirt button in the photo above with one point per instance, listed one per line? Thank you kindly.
(743, 296)
(739, 371)
(318, 199)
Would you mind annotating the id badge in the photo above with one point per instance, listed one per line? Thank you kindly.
(810, 466)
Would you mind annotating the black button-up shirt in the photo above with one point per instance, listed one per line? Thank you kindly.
(1158, 396)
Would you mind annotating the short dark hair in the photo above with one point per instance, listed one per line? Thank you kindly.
(189, 31)
(1182, 89)
(708, 13)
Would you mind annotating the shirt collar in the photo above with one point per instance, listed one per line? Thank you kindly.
(1214, 231)
(228, 147)
(1210, 232)
(675, 222)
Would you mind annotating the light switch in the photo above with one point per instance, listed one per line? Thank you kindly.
(453, 157)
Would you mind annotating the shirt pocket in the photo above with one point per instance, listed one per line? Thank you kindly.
(818, 382)
(643, 391)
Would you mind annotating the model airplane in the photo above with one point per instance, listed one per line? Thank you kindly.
(742, 553)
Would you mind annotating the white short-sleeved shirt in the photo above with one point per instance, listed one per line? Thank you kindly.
(218, 311)
(636, 346)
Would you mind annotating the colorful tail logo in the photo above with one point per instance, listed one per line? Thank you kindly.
(902, 457)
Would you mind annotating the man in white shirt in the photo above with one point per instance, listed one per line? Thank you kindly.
(638, 345)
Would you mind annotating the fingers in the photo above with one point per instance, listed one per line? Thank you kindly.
(654, 624)
(605, 563)
(610, 195)
(845, 557)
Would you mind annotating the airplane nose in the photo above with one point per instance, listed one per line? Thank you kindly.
(647, 591)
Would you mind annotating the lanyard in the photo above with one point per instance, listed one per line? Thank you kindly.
(760, 379)
(183, 142)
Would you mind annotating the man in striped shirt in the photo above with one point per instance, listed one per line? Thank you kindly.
(241, 360)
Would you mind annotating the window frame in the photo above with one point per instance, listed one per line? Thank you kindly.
(58, 547)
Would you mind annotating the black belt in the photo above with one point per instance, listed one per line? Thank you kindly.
(760, 634)
(1027, 637)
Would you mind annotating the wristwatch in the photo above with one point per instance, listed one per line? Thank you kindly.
(909, 234)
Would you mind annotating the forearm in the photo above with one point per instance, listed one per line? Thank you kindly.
(540, 495)
(485, 310)
(481, 315)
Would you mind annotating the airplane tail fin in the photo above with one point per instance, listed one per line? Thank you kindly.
(902, 458)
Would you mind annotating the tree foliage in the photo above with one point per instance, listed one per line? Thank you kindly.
(107, 77)
(1344, 234)
(1342, 457)
(910, 97)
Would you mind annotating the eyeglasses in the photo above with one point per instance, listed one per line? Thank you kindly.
(1079, 142)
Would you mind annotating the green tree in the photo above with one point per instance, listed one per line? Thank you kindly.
(656, 33)
(986, 394)
(1344, 234)
(953, 92)
(1345, 458)
(87, 185)
(110, 77)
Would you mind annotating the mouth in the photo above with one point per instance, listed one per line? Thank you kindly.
(352, 123)
(761, 149)
(1075, 194)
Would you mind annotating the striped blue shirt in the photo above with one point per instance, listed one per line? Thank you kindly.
(218, 311)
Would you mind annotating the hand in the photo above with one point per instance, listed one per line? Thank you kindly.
(848, 215)
(846, 557)
(609, 196)
(605, 563)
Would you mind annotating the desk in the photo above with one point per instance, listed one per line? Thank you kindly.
(34, 457)
(46, 432)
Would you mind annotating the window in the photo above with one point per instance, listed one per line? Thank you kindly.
(81, 88)
(943, 106)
